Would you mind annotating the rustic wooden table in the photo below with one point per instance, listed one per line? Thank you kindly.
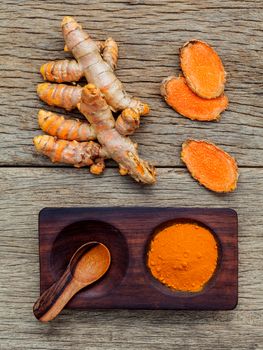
(149, 34)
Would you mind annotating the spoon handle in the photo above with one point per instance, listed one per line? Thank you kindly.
(53, 300)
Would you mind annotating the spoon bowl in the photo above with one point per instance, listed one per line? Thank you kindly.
(85, 266)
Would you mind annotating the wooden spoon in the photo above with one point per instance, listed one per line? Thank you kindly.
(87, 265)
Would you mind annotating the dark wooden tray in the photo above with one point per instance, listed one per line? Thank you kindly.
(126, 232)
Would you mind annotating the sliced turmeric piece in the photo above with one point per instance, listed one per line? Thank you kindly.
(182, 99)
(203, 69)
(210, 165)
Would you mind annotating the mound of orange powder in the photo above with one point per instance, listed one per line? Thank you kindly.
(183, 256)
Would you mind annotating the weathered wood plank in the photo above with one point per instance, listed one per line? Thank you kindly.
(149, 35)
(25, 191)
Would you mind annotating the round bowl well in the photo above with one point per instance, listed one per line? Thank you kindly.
(165, 289)
(79, 233)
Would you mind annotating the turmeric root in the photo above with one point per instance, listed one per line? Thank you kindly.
(181, 98)
(110, 53)
(98, 166)
(203, 69)
(96, 61)
(76, 153)
(211, 166)
(60, 95)
(62, 71)
(65, 129)
(119, 148)
(69, 97)
(65, 71)
(96, 70)
(128, 121)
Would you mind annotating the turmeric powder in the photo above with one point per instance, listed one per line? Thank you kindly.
(183, 256)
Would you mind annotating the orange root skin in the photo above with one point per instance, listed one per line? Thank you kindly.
(203, 69)
(75, 153)
(98, 167)
(128, 122)
(61, 71)
(65, 129)
(210, 165)
(120, 148)
(181, 98)
(59, 95)
(97, 71)
(98, 61)
(110, 53)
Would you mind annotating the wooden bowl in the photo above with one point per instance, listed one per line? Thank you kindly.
(127, 232)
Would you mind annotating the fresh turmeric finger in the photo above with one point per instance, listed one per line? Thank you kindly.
(96, 70)
(181, 98)
(62, 71)
(128, 121)
(210, 165)
(59, 95)
(203, 69)
(110, 53)
(65, 129)
(76, 153)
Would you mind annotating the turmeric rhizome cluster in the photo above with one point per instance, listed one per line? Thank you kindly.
(100, 137)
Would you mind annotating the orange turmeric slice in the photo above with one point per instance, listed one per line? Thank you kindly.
(210, 165)
(182, 99)
(203, 69)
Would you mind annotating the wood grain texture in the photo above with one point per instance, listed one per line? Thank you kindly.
(144, 30)
(149, 37)
(25, 191)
